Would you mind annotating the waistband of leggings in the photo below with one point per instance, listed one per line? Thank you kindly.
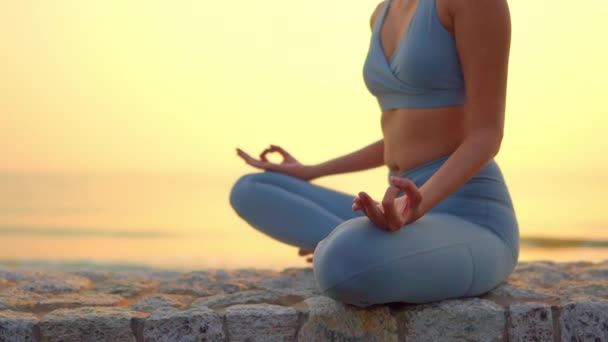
(433, 165)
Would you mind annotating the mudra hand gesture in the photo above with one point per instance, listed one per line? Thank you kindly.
(290, 165)
(393, 212)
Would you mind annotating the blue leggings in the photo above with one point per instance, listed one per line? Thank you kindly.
(465, 246)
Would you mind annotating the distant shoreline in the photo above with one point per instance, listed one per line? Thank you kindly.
(530, 241)
(537, 241)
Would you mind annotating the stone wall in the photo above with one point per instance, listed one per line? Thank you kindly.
(542, 301)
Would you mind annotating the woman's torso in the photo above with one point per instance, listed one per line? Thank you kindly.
(413, 136)
(416, 138)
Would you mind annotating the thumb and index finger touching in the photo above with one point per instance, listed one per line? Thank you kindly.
(263, 162)
(286, 155)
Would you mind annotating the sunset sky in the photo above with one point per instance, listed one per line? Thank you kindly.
(174, 86)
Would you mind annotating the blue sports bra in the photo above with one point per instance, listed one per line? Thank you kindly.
(424, 70)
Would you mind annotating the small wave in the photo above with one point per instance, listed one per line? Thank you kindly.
(83, 232)
(548, 242)
(79, 264)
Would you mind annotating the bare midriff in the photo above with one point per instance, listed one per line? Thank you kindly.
(414, 136)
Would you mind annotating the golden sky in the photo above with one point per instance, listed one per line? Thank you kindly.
(92, 85)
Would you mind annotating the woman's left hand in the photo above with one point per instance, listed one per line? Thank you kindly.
(393, 212)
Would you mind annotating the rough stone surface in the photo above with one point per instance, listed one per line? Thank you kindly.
(291, 281)
(12, 297)
(146, 276)
(519, 292)
(200, 283)
(542, 274)
(17, 326)
(591, 288)
(196, 324)
(541, 301)
(243, 297)
(69, 300)
(123, 287)
(261, 322)
(153, 302)
(44, 282)
(530, 322)
(584, 321)
(95, 275)
(88, 324)
(330, 320)
(594, 271)
(14, 274)
(469, 319)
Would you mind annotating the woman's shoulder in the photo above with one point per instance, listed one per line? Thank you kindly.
(376, 13)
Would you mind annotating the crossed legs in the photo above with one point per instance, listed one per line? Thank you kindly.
(439, 256)
(289, 209)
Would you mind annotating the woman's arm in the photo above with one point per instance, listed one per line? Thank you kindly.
(368, 157)
(483, 35)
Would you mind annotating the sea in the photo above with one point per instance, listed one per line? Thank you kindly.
(178, 221)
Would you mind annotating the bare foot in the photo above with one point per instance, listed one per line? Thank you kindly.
(304, 251)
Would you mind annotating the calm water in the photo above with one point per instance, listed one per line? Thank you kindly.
(177, 221)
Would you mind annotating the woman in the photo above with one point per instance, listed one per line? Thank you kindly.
(446, 226)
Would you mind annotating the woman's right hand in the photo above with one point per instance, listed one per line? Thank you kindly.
(289, 165)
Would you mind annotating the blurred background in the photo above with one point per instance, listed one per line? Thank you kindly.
(119, 122)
